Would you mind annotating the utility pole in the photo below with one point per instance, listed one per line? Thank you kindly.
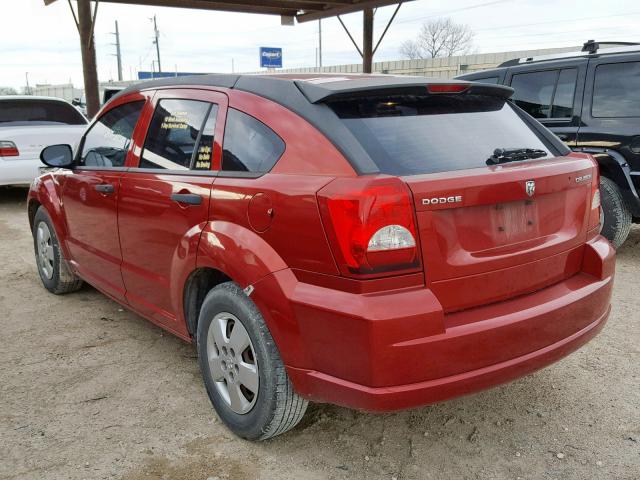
(320, 42)
(28, 89)
(157, 34)
(118, 55)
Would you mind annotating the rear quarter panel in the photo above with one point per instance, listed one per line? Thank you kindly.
(272, 220)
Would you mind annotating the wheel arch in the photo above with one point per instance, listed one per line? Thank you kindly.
(32, 207)
(201, 281)
(226, 252)
(44, 193)
(613, 165)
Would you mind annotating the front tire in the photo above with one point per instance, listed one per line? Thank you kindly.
(617, 217)
(53, 269)
(242, 371)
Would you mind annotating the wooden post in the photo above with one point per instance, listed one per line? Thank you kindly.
(88, 51)
(367, 40)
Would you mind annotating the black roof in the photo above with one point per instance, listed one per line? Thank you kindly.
(307, 94)
(316, 88)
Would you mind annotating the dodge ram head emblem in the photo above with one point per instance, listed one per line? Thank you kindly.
(530, 187)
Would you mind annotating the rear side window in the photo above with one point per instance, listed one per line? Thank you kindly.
(547, 94)
(39, 112)
(437, 133)
(492, 80)
(249, 145)
(107, 142)
(616, 91)
(173, 134)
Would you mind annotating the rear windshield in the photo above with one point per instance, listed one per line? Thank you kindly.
(437, 133)
(38, 112)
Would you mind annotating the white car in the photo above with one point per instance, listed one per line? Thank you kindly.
(27, 125)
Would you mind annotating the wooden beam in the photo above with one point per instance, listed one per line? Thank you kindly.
(161, 3)
(350, 36)
(217, 4)
(354, 7)
(88, 51)
(386, 28)
(286, 4)
(73, 12)
(248, 7)
(331, 2)
(313, 9)
(367, 40)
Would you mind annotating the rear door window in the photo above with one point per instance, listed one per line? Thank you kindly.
(39, 112)
(562, 105)
(249, 145)
(546, 94)
(616, 90)
(437, 133)
(175, 130)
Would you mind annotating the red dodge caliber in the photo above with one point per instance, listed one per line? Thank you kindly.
(377, 242)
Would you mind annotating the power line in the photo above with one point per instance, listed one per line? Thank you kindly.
(577, 19)
(449, 12)
(563, 33)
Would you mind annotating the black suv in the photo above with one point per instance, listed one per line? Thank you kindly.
(590, 100)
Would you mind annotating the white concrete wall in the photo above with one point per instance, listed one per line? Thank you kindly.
(444, 67)
(66, 91)
(447, 67)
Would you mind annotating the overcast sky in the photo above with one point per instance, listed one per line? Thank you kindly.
(44, 41)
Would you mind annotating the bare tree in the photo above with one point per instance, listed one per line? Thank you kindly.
(439, 38)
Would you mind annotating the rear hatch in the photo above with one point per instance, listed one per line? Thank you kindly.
(499, 241)
(487, 231)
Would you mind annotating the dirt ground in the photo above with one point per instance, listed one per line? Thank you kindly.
(89, 390)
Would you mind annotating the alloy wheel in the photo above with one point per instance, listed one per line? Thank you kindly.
(232, 362)
(45, 250)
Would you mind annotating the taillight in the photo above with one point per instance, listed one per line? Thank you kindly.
(594, 216)
(371, 225)
(8, 149)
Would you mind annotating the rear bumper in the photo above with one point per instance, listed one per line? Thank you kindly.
(321, 387)
(396, 350)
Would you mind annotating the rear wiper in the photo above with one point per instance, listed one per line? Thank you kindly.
(504, 155)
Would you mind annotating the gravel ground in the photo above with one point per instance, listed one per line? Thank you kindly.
(89, 390)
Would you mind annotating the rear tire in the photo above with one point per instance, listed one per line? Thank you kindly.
(617, 216)
(242, 370)
(53, 268)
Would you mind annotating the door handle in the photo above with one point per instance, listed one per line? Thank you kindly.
(187, 198)
(105, 188)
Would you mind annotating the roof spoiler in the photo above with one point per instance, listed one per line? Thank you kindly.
(323, 90)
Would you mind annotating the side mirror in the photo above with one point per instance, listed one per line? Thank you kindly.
(57, 156)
